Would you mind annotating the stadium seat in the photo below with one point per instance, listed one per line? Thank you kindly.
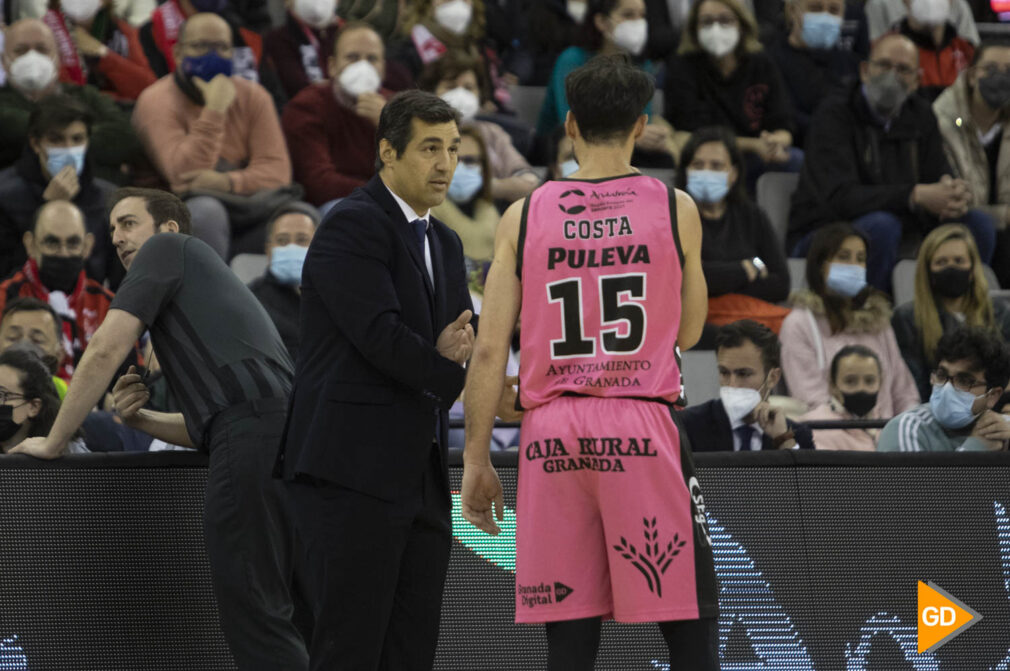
(657, 103)
(249, 266)
(701, 375)
(797, 274)
(665, 175)
(526, 101)
(774, 191)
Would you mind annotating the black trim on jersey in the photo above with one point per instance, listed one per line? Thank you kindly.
(521, 242)
(673, 223)
(599, 179)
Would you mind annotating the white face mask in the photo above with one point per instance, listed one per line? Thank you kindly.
(454, 16)
(719, 40)
(632, 35)
(80, 11)
(360, 77)
(739, 401)
(463, 101)
(32, 71)
(930, 12)
(316, 13)
(577, 10)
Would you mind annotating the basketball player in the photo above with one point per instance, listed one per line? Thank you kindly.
(606, 266)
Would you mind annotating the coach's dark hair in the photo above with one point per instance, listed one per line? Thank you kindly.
(726, 138)
(56, 112)
(981, 348)
(606, 97)
(161, 205)
(853, 350)
(736, 333)
(395, 121)
(36, 383)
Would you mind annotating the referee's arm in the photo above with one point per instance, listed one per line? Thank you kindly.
(106, 351)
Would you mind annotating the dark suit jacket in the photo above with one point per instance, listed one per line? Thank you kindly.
(709, 430)
(369, 382)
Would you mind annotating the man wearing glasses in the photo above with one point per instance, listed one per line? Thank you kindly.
(874, 156)
(973, 370)
(212, 136)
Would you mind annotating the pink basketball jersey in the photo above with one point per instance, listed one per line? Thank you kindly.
(600, 264)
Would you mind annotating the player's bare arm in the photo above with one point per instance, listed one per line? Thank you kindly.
(486, 376)
(693, 290)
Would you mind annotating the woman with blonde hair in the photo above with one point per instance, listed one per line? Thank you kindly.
(722, 76)
(950, 291)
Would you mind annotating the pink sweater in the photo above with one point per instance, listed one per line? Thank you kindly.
(807, 354)
(864, 440)
(180, 136)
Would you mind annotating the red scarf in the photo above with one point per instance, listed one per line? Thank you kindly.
(429, 47)
(71, 62)
(166, 22)
(68, 326)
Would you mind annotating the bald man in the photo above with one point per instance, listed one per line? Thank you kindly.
(31, 62)
(58, 246)
(211, 134)
(874, 156)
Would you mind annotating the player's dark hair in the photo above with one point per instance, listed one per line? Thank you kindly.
(852, 350)
(395, 122)
(735, 334)
(56, 112)
(981, 348)
(161, 205)
(606, 97)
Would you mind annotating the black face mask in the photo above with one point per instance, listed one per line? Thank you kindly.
(950, 282)
(995, 90)
(859, 403)
(60, 273)
(8, 427)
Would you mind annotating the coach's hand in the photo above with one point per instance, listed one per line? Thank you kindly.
(480, 491)
(130, 394)
(455, 342)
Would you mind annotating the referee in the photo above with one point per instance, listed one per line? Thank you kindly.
(229, 370)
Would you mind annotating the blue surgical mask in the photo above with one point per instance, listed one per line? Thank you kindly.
(821, 30)
(466, 182)
(846, 279)
(707, 186)
(952, 407)
(206, 67)
(58, 158)
(568, 167)
(286, 263)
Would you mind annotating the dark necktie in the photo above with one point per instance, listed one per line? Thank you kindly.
(420, 226)
(745, 432)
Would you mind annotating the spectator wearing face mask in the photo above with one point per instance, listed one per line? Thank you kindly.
(972, 115)
(56, 166)
(744, 267)
(459, 80)
(875, 156)
(950, 291)
(742, 419)
(722, 76)
(854, 385)
(31, 61)
(943, 54)
(98, 48)
(841, 309)
(813, 62)
(469, 207)
(330, 126)
(611, 27)
(289, 233)
(882, 15)
(300, 48)
(215, 138)
(972, 371)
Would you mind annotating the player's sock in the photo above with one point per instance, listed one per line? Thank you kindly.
(572, 644)
(693, 644)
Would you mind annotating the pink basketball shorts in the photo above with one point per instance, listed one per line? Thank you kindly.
(610, 516)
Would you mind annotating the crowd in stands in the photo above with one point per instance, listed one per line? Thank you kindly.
(888, 114)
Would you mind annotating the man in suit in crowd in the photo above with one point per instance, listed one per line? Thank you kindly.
(385, 329)
(741, 419)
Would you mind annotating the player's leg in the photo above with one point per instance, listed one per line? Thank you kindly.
(693, 644)
(572, 644)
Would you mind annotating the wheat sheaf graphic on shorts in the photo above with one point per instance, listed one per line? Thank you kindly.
(650, 561)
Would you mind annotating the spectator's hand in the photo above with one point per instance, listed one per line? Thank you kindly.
(39, 447)
(87, 44)
(992, 430)
(771, 421)
(130, 394)
(218, 93)
(63, 186)
(774, 150)
(750, 269)
(370, 106)
(653, 138)
(455, 342)
(507, 403)
(480, 491)
(944, 199)
(208, 180)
